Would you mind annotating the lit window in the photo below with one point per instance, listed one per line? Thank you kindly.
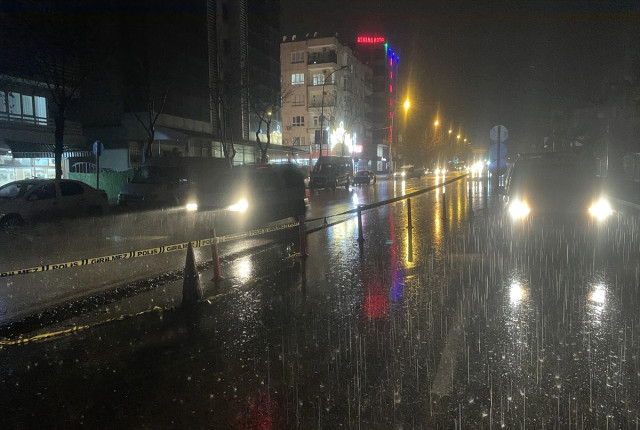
(297, 78)
(318, 79)
(24, 108)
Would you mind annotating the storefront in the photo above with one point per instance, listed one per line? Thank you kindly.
(24, 160)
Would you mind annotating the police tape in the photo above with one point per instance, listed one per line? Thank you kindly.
(150, 251)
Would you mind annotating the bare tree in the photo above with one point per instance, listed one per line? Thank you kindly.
(55, 47)
(222, 98)
(149, 124)
(265, 109)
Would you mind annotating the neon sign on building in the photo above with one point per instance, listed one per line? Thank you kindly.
(370, 39)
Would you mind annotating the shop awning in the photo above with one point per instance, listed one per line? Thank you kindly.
(43, 150)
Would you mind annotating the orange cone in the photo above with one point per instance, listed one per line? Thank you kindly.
(192, 291)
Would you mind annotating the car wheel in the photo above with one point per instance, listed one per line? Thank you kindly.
(11, 222)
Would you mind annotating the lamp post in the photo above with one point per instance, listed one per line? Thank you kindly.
(406, 105)
(326, 78)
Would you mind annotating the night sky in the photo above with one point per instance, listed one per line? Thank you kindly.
(490, 62)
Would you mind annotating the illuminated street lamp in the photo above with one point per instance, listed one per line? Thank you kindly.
(406, 105)
(326, 78)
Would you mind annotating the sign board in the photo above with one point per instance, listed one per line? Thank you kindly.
(370, 39)
(499, 129)
(98, 147)
(493, 151)
(493, 165)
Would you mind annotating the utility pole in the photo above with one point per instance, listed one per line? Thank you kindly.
(326, 78)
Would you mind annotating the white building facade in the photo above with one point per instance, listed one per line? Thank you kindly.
(326, 94)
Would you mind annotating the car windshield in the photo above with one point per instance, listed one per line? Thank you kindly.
(158, 175)
(15, 189)
(362, 173)
(546, 176)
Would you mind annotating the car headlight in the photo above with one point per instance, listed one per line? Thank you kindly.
(240, 206)
(192, 206)
(519, 209)
(601, 209)
(403, 174)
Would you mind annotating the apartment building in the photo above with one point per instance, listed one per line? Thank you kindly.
(326, 95)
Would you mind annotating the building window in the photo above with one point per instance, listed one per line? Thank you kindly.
(298, 100)
(318, 79)
(298, 121)
(298, 141)
(297, 78)
(297, 57)
(23, 108)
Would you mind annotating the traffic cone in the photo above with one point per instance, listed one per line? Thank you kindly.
(192, 291)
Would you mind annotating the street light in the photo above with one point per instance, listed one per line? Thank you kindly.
(326, 78)
(406, 105)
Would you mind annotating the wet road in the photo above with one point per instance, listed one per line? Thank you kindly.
(459, 322)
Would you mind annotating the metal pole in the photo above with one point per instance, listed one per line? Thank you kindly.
(409, 226)
(360, 235)
(322, 108)
(444, 203)
(322, 118)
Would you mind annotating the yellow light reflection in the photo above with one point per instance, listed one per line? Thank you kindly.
(355, 199)
(598, 295)
(517, 293)
(243, 268)
(597, 299)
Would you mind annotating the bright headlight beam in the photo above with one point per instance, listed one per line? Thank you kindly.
(601, 209)
(192, 206)
(241, 206)
(519, 209)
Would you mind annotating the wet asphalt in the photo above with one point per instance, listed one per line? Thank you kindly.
(461, 321)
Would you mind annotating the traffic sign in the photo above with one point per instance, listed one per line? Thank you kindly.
(493, 165)
(98, 147)
(493, 151)
(499, 130)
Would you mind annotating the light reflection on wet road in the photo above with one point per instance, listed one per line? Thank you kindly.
(459, 322)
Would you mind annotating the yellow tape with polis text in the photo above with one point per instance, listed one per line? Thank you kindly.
(148, 252)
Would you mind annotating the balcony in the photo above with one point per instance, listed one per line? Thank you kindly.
(322, 58)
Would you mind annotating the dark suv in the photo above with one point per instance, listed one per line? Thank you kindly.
(260, 192)
(553, 184)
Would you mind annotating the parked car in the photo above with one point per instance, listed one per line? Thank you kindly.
(556, 185)
(364, 177)
(32, 200)
(407, 172)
